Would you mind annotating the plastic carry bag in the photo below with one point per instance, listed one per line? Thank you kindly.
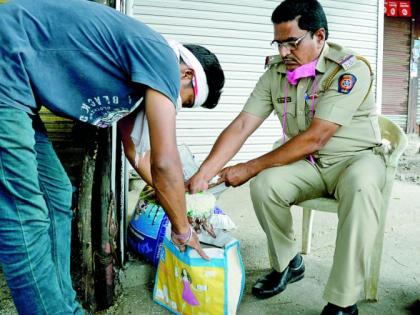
(147, 227)
(149, 223)
(187, 284)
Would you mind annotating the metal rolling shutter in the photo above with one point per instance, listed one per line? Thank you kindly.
(418, 110)
(354, 24)
(418, 98)
(240, 32)
(397, 34)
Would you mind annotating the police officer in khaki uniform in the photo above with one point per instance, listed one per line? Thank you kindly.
(322, 95)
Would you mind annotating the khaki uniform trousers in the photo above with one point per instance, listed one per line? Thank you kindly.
(356, 183)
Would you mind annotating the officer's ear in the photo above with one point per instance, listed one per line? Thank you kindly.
(319, 36)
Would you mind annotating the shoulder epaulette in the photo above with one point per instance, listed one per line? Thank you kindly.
(345, 59)
(272, 60)
(329, 80)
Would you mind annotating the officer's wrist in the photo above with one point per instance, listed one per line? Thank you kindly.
(254, 167)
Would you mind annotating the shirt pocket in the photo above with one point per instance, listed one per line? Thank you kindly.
(289, 119)
(309, 112)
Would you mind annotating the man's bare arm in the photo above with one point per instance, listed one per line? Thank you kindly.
(125, 127)
(166, 166)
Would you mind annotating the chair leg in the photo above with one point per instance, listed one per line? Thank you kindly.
(307, 230)
(372, 279)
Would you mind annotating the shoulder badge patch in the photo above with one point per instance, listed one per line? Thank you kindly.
(346, 83)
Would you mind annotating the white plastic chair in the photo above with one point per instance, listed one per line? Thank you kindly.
(398, 140)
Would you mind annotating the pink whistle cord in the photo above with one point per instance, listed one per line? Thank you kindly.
(284, 121)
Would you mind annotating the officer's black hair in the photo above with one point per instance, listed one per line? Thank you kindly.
(311, 13)
(214, 73)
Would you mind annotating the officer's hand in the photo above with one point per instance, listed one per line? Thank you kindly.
(236, 175)
(197, 183)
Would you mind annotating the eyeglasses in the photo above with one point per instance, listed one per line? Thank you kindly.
(290, 45)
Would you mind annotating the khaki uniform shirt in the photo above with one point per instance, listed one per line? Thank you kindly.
(354, 110)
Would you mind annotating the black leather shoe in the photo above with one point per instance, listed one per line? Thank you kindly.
(331, 309)
(275, 282)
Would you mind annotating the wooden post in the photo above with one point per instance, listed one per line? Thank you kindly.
(85, 222)
(121, 200)
(104, 228)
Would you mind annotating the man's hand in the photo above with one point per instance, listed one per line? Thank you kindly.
(237, 175)
(193, 243)
(198, 182)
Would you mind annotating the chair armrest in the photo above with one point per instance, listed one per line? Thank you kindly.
(398, 151)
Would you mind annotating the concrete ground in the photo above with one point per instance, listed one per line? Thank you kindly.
(400, 275)
(399, 283)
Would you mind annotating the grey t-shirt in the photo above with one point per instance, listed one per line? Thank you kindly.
(80, 59)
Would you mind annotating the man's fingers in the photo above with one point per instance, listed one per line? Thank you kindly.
(194, 243)
(201, 252)
(199, 188)
(195, 190)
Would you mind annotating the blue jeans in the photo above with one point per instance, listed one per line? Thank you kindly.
(35, 218)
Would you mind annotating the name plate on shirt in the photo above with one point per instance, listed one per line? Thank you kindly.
(284, 99)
